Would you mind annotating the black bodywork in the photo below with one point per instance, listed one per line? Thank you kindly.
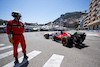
(76, 38)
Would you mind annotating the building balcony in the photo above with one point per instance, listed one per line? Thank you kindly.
(98, 15)
(84, 25)
(86, 22)
(89, 10)
(99, 3)
(92, 18)
(88, 17)
(93, 1)
(85, 19)
(98, 8)
(93, 13)
(90, 3)
(94, 4)
(90, 7)
(94, 22)
(94, 9)
(89, 14)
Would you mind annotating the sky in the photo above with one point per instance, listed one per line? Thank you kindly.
(40, 11)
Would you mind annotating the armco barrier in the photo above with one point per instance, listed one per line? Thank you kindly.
(98, 30)
(94, 30)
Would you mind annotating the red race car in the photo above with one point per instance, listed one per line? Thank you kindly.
(67, 39)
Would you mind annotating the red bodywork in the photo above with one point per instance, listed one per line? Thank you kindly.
(64, 34)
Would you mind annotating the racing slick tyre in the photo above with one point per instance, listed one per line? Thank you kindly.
(64, 41)
(46, 36)
(67, 41)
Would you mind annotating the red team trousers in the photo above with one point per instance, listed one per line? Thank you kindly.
(18, 39)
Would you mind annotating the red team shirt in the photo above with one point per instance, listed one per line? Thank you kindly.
(14, 27)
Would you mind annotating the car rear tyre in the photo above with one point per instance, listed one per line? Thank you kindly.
(64, 41)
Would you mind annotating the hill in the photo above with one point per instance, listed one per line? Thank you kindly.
(3, 21)
(72, 15)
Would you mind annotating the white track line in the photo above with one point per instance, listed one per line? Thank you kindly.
(92, 35)
(54, 61)
(6, 47)
(8, 53)
(2, 44)
(30, 55)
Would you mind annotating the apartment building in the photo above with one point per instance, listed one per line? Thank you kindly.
(86, 21)
(92, 20)
(81, 21)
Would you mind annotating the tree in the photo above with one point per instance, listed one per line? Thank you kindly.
(76, 25)
(1, 23)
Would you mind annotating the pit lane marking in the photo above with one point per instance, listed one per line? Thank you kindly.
(30, 55)
(2, 44)
(92, 34)
(54, 61)
(8, 53)
(6, 47)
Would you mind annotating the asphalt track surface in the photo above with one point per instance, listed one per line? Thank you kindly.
(47, 53)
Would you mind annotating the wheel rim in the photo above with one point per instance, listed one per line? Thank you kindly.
(64, 41)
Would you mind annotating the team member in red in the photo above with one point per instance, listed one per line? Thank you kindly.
(15, 30)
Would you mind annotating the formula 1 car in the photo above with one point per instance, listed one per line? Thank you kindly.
(67, 39)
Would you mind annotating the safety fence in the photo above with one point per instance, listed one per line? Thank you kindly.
(94, 30)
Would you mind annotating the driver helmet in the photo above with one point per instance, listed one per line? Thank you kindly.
(16, 14)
